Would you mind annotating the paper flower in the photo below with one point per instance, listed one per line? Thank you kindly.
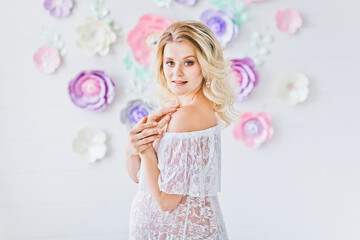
(245, 76)
(253, 129)
(90, 144)
(221, 23)
(134, 111)
(95, 36)
(144, 37)
(188, 3)
(47, 59)
(288, 20)
(163, 3)
(92, 90)
(292, 87)
(59, 8)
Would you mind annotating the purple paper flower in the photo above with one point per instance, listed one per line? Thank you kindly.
(221, 23)
(188, 3)
(245, 76)
(92, 90)
(134, 111)
(59, 8)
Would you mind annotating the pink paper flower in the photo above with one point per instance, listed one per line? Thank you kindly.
(288, 20)
(253, 129)
(144, 37)
(47, 59)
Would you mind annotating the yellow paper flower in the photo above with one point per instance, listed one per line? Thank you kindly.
(95, 36)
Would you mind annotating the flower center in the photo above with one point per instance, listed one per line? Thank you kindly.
(58, 3)
(253, 128)
(217, 25)
(90, 87)
(137, 113)
(151, 40)
(290, 86)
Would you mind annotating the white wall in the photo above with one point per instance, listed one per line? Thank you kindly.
(303, 184)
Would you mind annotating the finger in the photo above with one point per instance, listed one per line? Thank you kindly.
(148, 133)
(143, 120)
(141, 127)
(160, 113)
(144, 147)
(147, 140)
(164, 121)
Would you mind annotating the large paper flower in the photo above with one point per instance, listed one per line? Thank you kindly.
(288, 20)
(188, 3)
(292, 87)
(90, 144)
(245, 76)
(144, 37)
(95, 36)
(59, 8)
(47, 59)
(92, 90)
(221, 23)
(253, 129)
(134, 111)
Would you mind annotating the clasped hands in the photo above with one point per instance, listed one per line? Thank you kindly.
(149, 129)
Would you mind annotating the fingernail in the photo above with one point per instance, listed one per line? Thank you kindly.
(167, 117)
(155, 123)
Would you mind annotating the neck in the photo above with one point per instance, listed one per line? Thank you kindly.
(189, 98)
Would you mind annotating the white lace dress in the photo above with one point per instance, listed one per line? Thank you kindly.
(189, 164)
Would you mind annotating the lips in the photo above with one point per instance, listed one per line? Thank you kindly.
(179, 82)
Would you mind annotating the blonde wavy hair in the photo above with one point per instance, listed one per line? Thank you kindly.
(213, 66)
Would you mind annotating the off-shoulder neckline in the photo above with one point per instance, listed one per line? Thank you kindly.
(210, 129)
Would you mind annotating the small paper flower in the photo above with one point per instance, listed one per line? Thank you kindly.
(134, 111)
(144, 37)
(95, 36)
(292, 87)
(163, 3)
(90, 144)
(288, 20)
(92, 90)
(59, 8)
(221, 23)
(188, 3)
(253, 129)
(245, 76)
(47, 59)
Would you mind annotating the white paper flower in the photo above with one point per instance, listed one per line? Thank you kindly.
(292, 87)
(95, 36)
(90, 144)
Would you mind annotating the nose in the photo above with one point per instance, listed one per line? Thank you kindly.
(179, 70)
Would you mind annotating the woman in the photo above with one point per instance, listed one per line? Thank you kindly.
(179, 175)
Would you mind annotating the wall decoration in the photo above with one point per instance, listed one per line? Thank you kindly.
(90, 143)
(258, 46)
(140, 72)
(48, 57)
(188, 3)
(59, 8)
(292, 87)
(245, 76)
(145, 35)
(134, 111)
(92, 90)
(99, 32)
(253, 129)
(288, 21)
(163, 3)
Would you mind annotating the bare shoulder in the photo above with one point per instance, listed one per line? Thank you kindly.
(191, 118)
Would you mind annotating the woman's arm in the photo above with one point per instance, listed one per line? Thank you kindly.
(166, 202)
(142, 136)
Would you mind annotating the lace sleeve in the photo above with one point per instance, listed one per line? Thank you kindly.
(189, 163)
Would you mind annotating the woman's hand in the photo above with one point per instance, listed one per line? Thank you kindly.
(146, 131)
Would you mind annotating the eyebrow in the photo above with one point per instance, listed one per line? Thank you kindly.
(183, 58)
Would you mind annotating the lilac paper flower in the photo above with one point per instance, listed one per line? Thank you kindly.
(134, 111)
(59, 8)
(92, 90)
(245, 76)
(188, 3)
(221, 23)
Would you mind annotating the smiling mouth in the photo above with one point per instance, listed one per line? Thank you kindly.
(179, 81)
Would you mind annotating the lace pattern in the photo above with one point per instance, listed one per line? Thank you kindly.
(189, 164)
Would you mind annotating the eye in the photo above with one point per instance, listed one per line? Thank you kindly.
(170, 63)
(189, 63)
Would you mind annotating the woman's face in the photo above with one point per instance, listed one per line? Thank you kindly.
(181, 68)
